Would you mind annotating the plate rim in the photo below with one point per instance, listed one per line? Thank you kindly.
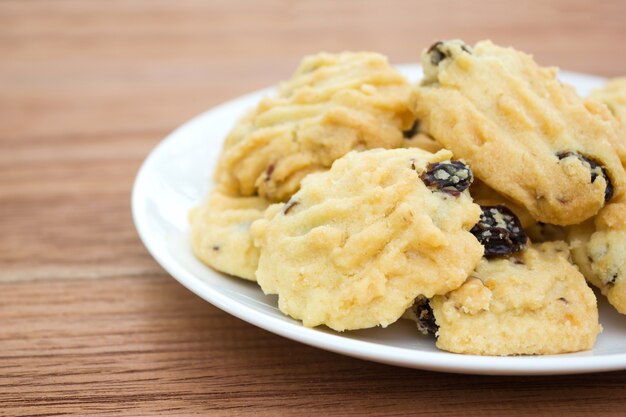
(433, 361)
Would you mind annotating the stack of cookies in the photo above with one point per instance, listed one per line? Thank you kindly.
(478, 203)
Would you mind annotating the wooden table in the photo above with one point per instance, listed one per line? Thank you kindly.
(90, 323)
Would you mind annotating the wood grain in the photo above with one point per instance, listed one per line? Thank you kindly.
(145, 345)
(90, 324)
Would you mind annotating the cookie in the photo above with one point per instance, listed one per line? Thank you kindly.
(524, 133)
(243, 127)
(533, 303)
(599, 249)
(355, 246)
(613, 95)
(220, 233)
(334, 103)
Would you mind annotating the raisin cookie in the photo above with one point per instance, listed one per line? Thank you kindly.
(524, 133)
(613, 94)
(334, 103)
(220, 233)
(357, 244)
(599, 249)
(533, 303)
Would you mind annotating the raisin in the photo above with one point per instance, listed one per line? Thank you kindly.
(436, 54)
(290, 204)
(408, 134)
(499, 231)
(268, 172)
(449, 177)
(609, 280)
(596, 170)
(424, 315)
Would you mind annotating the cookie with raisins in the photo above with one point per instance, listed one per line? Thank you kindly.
(613, 95)
(220, 233)
(357, 244)
(533, 303)
(599, 249)
(524, 133)
(334, 103)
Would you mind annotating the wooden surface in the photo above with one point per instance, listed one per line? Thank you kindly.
(90, 324)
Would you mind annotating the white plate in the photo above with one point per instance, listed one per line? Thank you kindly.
(177, 176)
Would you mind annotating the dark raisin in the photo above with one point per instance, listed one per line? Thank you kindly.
(412, 131)
(424, 315)
(216, 248)
(436, 54)
(290, 204)
(449, 177)
(268, 172)
(596, 170)
(499, 231)
(610, 280)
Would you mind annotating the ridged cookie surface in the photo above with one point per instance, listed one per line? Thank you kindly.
(523, 132)
(334, 103)
(355, 246)
(613, 94)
